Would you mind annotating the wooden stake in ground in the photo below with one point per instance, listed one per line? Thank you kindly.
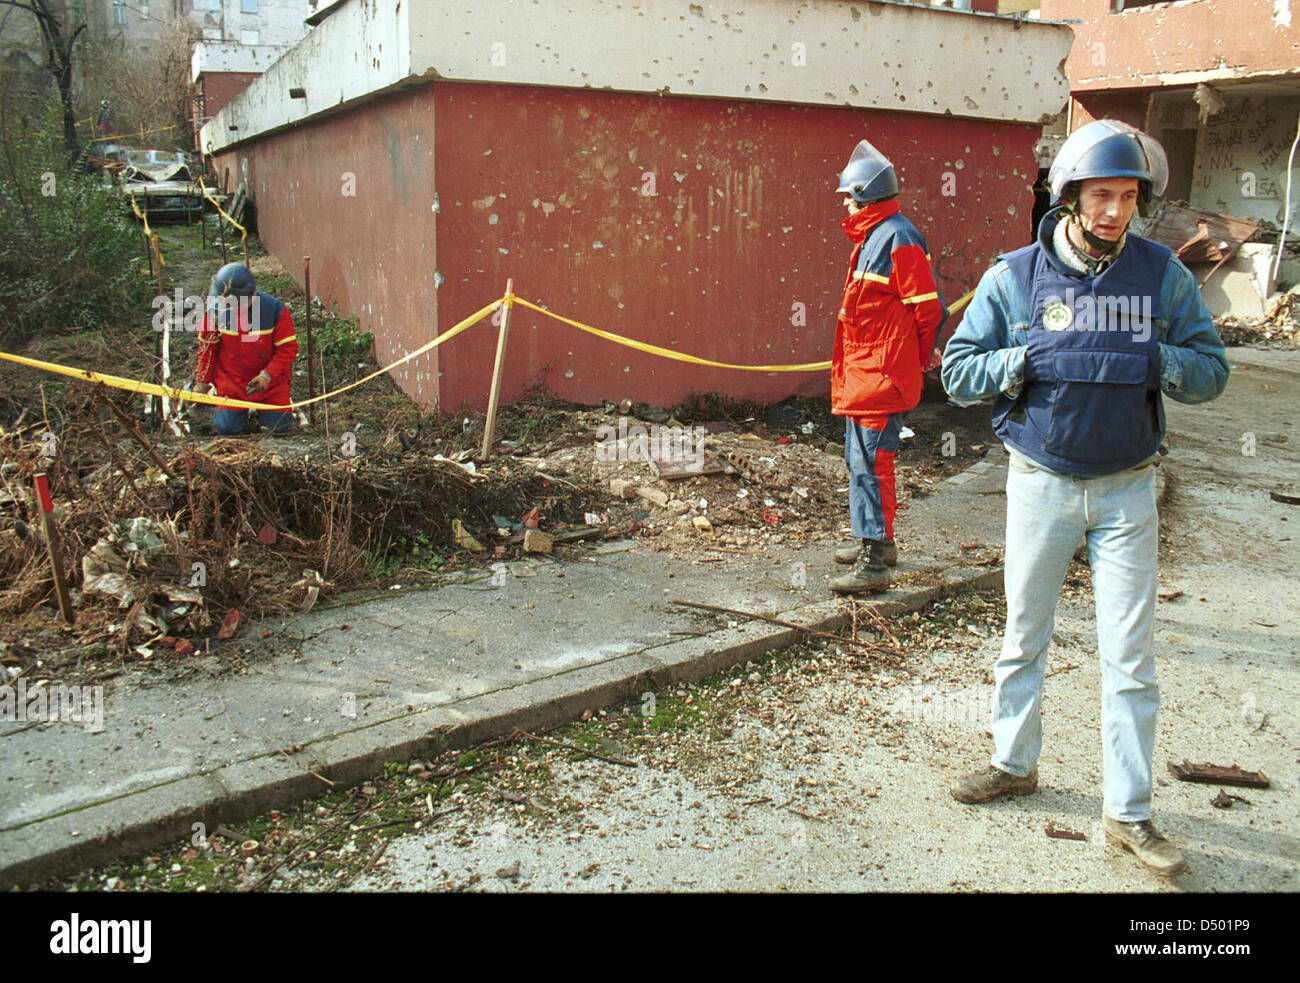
(131, 427)
(490, 424)
(46, 505)
(161, 370)
(311, 357)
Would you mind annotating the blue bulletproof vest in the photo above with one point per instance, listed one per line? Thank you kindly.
(1091, 402)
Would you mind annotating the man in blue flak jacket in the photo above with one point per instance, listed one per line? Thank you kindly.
(1076, 338)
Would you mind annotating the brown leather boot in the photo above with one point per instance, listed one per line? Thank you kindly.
(1152, 850)
(992, 783)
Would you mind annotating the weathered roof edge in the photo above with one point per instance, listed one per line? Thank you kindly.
(984, 67)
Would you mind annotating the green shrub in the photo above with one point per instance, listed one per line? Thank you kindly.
(340, 337)
(67, 246)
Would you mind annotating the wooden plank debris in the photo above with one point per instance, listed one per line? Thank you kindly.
(1197, 236)
(1061, 833)
(1200, 237)
(1209, 774)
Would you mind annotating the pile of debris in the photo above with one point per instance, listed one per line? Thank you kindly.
(166, 540)
(218, 533)
(1280, 327)
(1234, 261)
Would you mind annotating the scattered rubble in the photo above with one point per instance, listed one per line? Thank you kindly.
(536, 541)
(162, 534)
(1061, 833)
(1278, 328)
(240, 532)
(1224, 800)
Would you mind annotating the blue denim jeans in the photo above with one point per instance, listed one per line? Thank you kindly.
(869, 453)
(1047, 515)
(226, 421)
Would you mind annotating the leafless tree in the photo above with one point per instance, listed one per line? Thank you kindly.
(58, 45)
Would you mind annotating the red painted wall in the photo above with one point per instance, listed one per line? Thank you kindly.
(744, 225)
(355, 193)
(548, 186)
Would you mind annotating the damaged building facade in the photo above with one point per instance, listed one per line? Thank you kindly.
(240, 40)
(1218, 83)
(665, 171)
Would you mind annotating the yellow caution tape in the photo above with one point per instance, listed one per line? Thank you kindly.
(140, 215)
(128, 136)
(153, 389)
(243, 233)
(693, 359)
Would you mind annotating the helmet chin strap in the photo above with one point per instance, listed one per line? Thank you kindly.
(1095, 241)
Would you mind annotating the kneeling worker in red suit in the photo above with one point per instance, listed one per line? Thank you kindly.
(246, 350)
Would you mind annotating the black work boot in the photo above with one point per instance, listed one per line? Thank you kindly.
(869, 573)
(849, 554)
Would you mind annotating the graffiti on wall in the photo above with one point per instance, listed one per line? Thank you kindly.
(1241, 158)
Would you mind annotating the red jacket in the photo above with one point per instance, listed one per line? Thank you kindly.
(232, 356)
(889, 317)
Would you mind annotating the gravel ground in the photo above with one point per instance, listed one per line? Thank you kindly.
(825, 767)
(826, 771)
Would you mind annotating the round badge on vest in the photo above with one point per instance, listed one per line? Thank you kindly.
(1057, 316)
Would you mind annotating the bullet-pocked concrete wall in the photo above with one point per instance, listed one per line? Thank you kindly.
(736, 256)
(890, 56)
(1177, 43)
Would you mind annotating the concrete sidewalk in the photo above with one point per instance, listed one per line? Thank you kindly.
(411, 675)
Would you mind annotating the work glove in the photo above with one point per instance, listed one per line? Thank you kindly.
(260, 382)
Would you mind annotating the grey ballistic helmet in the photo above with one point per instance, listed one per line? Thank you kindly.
(1109, 148)
(869, 175)
(234, 280)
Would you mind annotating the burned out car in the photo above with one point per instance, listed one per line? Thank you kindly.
(161, 182)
